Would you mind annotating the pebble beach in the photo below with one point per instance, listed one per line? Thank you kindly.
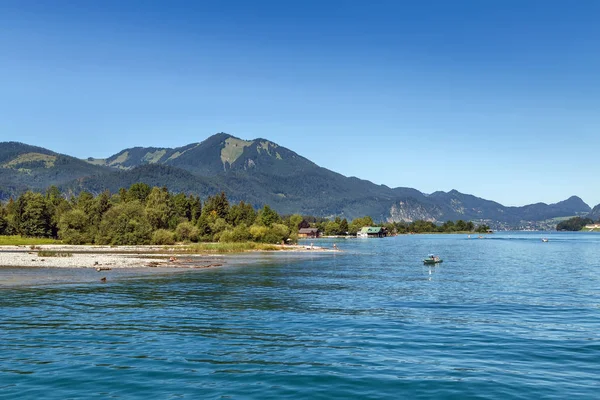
(30, 265)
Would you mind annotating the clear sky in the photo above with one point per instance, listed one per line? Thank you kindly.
(500, 99)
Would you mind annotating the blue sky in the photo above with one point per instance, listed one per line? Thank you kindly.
(498, 99)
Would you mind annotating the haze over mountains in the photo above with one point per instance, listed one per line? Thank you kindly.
(260, 172)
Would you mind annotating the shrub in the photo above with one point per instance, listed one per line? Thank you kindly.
(240, 233)
(276, 234)
(186, 231)
(258, 232)
(163, 237)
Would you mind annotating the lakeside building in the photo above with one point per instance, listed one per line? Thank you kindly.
(372, 231)
(309, 233)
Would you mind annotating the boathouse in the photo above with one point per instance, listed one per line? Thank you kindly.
(372, 231)
(308, 233)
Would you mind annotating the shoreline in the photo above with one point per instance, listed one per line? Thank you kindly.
(148, 256)
(23, 266)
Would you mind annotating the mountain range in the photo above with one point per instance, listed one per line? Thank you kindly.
(259, 172)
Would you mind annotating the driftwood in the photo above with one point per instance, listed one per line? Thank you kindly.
(207, 266)
(153, 264)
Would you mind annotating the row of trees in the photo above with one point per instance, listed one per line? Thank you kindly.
(145, 215)
(141, 215)
(429, 227)
(342, 227)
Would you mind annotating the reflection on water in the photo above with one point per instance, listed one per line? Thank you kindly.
(505, 317)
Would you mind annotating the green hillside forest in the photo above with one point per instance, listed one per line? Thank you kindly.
(574, 224)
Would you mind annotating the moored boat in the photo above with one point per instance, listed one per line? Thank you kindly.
(432, 260)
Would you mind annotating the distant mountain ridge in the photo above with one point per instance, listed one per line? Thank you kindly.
(260, 172)
(24, 167)
(595, 213)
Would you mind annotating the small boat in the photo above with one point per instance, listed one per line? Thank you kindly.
(432, 260)
(544, 240)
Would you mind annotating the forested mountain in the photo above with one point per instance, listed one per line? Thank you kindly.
(259, 172)
(24, 167)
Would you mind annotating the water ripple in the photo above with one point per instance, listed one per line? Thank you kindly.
(507, 317)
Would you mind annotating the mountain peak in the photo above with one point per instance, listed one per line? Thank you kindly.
(218, 137)
(595, 213)
(575, 203)
(261, 172)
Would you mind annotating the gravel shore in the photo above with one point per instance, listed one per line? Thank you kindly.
(116, 256)
(99, 257)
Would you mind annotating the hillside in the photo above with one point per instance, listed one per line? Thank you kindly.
(259, 172)
(24, 167)
(595, 213)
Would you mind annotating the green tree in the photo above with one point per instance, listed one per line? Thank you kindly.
(217, 226)
(102, 203)
(240, 233)
(482, 228)
(159, 208)
(217, 205)
(242, 213)
(195, 208)
(421, 226)
(294, 222)
(186, 231)
(359, 223)
(85, 202)
(11, 210)
(3, 220)
(54, 196)
(203, 225)
(331, 228)
(343, 227)
(125, 224)
(258, 232)
(181, 207)
(122, 196)
(57, 206)
(448, 226)
(460, 225)
(138, 191)
(277, 233)
(268, 216)
(74, 227)
(573, 224)
(32, 216)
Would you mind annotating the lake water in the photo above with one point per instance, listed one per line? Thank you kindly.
(503, 317)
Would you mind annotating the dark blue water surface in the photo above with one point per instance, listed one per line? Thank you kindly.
(503, 317)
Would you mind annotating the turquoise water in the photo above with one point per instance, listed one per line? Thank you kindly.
(502, 317)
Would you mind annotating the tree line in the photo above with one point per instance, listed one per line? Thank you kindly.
(151, 215)
(343, 227)
(574, 224)
(141, 215)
